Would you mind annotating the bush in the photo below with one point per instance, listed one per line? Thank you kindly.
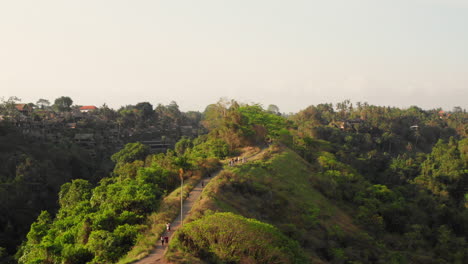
(130, 153)
(76, 254)
(230, 238)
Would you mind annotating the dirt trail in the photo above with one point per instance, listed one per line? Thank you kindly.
(157, 254)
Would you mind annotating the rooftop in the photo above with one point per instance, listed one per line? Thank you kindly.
(88, 107)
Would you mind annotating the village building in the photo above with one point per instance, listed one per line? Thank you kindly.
(87, 108)
(158, 145)
(350, 124)
(443, 114)
(24, 108)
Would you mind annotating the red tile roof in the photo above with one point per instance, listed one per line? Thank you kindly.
(88, 107)
(20, 107)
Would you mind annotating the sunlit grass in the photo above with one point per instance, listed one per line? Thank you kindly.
(276, 186)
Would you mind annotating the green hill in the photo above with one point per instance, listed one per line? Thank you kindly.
(320, 205)
(371, 188)
(278, 188)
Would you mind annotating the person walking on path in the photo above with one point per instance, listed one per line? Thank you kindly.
(166, 238)
(157, 254)
(162, 241)
(168, 227)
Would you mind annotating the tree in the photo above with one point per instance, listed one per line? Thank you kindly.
(43, 103)
(443, 172)
(127, 117)
(255, 117)
(273, 109)
(8, 107)
(40, 227)
(73, 193)
(169, 117)
(182, 145)
(457, 109)
(63, 104)
(131, 152)
(193, 118)
(107, 113)
(344, 108)
(145, 110)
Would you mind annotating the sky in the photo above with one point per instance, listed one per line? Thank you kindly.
(292, 53)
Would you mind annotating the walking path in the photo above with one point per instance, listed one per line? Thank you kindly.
(157, 255)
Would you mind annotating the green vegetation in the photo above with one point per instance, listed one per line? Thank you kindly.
(39, 151)
(343, 184)
(168, 210)
(97, 225)
(278, 188)
(63, 104)
(31, 173)
(379, 184)
(240, 125)
(101, 224)
(230, 238)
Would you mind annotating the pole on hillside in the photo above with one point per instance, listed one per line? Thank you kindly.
(181, 175)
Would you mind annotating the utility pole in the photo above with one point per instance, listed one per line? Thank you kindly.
(181, 175)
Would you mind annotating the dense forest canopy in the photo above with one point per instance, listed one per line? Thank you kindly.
(401, 173)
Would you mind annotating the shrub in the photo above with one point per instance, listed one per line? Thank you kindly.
(230, 238)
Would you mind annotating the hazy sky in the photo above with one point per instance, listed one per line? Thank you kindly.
(290, 53)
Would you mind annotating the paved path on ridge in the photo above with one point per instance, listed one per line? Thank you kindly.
(157, 254)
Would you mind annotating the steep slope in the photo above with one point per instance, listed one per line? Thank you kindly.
(279, 189)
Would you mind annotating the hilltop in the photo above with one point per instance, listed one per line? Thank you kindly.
(283, 190)
(279, 188)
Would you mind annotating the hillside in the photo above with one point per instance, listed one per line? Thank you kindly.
(278, 188)
(31, 173)
(45, 146)
(371, 188)
(281, 189)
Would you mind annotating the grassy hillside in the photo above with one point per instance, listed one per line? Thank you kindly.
(230, 238)
(278, 188)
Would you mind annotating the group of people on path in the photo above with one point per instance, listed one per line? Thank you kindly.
(165, 237)
(234, 161)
